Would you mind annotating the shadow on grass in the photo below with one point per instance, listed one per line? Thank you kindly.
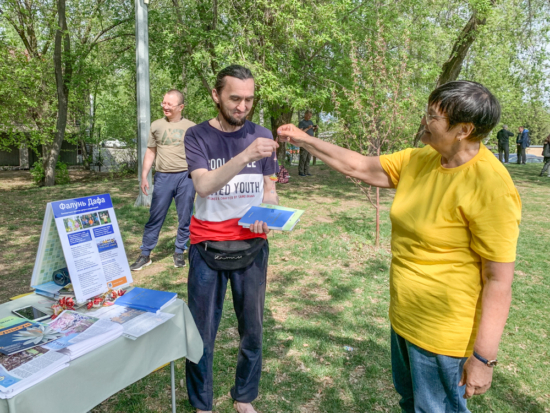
(528, 173)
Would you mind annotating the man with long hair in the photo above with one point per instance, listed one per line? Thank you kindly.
(230, 161)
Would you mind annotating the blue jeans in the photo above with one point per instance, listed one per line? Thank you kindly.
(168, 186)
(206, 292)
(427, 382)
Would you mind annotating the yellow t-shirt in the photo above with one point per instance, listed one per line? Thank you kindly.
(443, 221)
(168, 138)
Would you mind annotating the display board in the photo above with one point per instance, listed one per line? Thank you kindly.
(83, 236)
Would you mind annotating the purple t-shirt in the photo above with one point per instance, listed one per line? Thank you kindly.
(209, 148)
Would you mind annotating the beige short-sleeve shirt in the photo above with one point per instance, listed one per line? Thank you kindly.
(168, 137)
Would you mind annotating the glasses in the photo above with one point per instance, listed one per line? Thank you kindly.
(167, 105)
(429, 117)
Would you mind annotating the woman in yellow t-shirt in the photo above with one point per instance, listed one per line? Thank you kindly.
(455, 223)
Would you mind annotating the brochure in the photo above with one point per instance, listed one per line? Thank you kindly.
(81, 333)
(82, 236)
(275, 216)
(134, 322)
(146, 300)
(18, 334)
(26, 368)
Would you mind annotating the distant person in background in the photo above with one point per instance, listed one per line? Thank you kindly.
(522, 142)
(165, 147)
(305, 157)
(503, 137)
(546, 154)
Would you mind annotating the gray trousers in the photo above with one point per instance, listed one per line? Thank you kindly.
(305, 158)
(546, 166)
(522, 157)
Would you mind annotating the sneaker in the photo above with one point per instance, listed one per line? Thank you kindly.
(179, 261)
(302, 174)
(142, 261)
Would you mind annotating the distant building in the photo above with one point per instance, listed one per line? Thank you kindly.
(23, 157)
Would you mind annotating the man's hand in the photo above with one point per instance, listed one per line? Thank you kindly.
(144, 186)
(259, 227)
(290, 133)
(259, 149)
(476, 376)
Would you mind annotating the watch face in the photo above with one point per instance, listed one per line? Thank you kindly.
(492, 363)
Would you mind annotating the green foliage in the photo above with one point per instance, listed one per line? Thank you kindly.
(37, 172)
(61, 173)
(299, 52)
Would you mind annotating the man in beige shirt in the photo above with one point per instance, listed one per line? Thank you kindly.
(165, 147)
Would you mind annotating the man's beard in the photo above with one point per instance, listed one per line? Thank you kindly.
(226, 114)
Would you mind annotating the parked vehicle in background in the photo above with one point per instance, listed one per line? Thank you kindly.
(115, 143)
(530, 158)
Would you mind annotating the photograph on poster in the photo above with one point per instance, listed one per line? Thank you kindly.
(104, 217)
(72, 224)
(89, 220)
(107, 244)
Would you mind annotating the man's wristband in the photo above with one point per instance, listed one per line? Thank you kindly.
(488, 363)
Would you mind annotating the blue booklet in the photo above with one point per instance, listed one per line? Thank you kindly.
(146, 300)
(276, 217)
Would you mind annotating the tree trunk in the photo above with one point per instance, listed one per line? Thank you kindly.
(280, 115)
(85, 161)
(452, 67)
(61, 58)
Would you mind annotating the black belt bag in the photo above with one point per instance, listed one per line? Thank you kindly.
(230, 255)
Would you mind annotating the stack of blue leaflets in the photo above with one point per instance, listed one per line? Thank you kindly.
(146, 300)
(275, 216)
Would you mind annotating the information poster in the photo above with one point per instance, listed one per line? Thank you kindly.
(82, 235)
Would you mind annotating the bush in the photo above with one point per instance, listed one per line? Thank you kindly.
(61, 173)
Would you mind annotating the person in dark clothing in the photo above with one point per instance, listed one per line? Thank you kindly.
(308, 127)
(522, 143)
(546, 154)
(503, 136)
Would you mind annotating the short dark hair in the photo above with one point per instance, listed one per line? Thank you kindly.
(238, 71)
(467, 102)
(178, 94)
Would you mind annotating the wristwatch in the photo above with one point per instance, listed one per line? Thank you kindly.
(488, 363)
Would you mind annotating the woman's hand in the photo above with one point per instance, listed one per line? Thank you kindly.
(290, 133)
(476, 376)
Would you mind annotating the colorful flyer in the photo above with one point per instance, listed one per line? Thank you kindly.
(17, 334)
(83, 236)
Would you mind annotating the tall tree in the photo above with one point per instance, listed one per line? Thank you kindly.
(453, 66)
(63, 65)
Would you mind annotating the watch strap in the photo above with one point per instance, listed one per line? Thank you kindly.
(488, 363)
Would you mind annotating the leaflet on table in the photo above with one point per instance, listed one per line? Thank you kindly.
(69, 325)
(135, 322)
(82, 333)
(144, 323)
(18, 334)
(22, 370)
(92, 248)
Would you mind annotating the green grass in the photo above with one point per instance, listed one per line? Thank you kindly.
(327, 289)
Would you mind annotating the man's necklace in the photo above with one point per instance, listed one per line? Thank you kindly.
(219, 121)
